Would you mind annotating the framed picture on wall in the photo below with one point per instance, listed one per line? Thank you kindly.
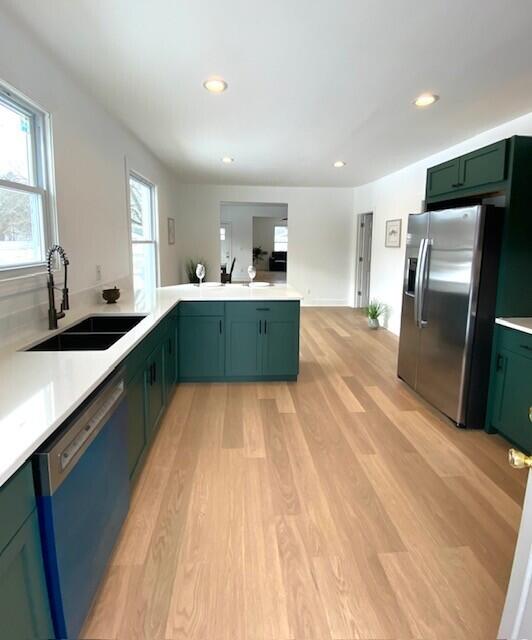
(393, 233)
(171, 231)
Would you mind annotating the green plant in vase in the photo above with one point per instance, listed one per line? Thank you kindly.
(374, 311)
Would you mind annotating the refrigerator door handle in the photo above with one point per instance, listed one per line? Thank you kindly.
(423, 282)
(417, 291)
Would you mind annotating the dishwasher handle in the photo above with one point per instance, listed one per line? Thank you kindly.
(56, 460)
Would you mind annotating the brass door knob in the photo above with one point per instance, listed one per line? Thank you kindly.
(518, 459)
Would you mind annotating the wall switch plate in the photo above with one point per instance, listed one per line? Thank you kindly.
(98, 273)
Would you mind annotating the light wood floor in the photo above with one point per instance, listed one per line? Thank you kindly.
(336, 507)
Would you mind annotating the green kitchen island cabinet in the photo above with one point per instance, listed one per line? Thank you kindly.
(262, 340)
(24, 605)
(238, 340)
(510, 410)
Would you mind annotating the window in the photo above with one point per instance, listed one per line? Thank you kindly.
(142, 203)
(26, 221)
(280, 238)
(222, 233)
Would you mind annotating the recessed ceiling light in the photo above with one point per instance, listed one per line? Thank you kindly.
(426, 99)
(227, 160)
(215, 85)
(339, 164)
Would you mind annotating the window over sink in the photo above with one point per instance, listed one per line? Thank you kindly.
(27, 208)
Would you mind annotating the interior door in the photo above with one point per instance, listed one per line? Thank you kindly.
(225, 244)
(409, 341)
(516, 620)
(447, 308)
(363, 265)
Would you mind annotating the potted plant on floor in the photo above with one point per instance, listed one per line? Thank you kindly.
(258, 254)
(374, 312)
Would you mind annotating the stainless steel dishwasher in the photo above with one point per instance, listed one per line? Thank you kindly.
(83, 500)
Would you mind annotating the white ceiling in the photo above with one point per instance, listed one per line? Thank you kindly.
(310, 81)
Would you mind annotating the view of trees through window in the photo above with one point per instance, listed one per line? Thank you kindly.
(143, 236)
(22, 232)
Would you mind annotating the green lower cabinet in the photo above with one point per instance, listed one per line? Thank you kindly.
(155, 393)
(262, 340)
(280, 353)
(137, 440)
(512, 399)
(243, 346)
(24, 606)
(201, 348)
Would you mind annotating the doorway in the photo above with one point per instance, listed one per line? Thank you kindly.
(363, 259)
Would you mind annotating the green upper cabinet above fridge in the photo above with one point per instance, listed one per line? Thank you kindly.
(444, 178)
(480, 171)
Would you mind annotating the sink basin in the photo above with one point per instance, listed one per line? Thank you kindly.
(95, 333)
(105, 324)
(78, 342)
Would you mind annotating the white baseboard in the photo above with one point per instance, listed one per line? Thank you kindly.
(324, 302)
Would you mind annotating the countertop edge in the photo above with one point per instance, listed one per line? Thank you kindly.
(516, 323)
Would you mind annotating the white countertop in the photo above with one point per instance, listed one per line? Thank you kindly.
(519, 324)
(40, 389)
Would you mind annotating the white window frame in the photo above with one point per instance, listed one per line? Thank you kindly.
(280, 226)
(43, 168)
(131, 173)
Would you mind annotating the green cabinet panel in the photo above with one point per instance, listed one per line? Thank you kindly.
(280, 354)
(17, 501)
(478, 171)
(24, 606)
(483, 167)
(136, 430)
(204, 308)
(513, 414)
(262, 340)
(243, 347)
(170, 357)
(201, 347)
(154, 381)
(510, 411)
(443, 178)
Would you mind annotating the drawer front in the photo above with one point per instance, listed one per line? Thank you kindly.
(263, 310)
(17, 501)
(201, 308)
(517, 341)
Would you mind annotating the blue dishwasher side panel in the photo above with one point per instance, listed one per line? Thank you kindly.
(81, 522)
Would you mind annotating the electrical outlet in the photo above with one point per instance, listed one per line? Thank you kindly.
(98, 273)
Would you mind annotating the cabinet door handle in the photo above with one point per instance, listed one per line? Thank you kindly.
(260, 327)
(150, 375)
(263, 308)
(526, 346)
(500, 361)
(155, 372)
(220, 327)
(265, 327)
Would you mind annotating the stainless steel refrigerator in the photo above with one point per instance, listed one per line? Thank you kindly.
(448, 308)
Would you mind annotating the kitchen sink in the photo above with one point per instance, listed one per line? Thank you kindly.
(95, 333)
(78, 342)
(105, 324)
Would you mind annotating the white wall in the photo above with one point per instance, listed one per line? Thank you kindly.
(401, 193)
(264, 237)
(90, 148)
(320, 229)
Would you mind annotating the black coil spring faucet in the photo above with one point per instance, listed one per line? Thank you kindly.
(53, 314)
